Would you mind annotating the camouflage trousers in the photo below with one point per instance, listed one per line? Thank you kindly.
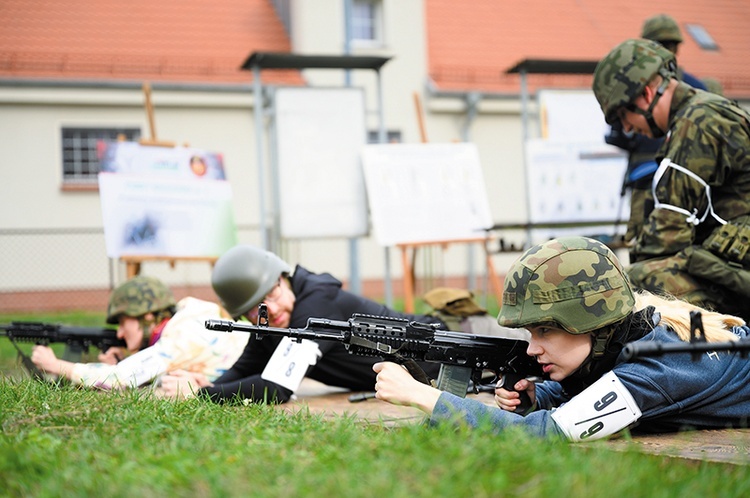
(670, 275)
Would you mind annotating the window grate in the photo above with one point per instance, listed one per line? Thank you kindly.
(80, 155)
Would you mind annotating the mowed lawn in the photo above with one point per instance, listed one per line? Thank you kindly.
(64, 441)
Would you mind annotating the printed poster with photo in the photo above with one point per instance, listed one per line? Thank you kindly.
(163, 201)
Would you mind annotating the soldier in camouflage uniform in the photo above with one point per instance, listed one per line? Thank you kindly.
(641, 149)
(573, 296)
(694, 243)
(161, 335)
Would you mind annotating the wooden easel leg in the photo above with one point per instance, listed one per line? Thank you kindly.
(408, 277)
(132, 269)
(494, 280)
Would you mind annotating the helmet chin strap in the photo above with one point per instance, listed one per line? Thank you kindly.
(648, 114)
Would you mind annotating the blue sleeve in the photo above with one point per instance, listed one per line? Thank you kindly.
(693, 81)
(452, 409)
(549, 395)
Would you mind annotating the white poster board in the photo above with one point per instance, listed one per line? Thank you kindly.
(163, 201)
(575, 182)
(320, 135)
(571, 115)
(425, 192)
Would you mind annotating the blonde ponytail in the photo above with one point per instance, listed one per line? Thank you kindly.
(675, 314)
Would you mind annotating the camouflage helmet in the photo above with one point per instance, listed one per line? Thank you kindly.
(621, 76)
(138, 296)
(661, 28)
(244, 275)
(574, 282)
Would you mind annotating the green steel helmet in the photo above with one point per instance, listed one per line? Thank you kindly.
(243, 276)
(621, 76)
(661, 28)
(574, 282)
(138, 296)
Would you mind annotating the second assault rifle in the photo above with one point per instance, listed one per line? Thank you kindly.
(697, 345)
(463, 357)
(77, 339)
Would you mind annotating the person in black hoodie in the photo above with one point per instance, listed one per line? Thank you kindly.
(246, 276)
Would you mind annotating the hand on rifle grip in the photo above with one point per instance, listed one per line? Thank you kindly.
(508, 382)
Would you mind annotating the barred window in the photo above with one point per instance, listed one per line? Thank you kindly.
(367, 21)
(79, 151)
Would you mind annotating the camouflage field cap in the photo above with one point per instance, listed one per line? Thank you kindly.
(137, 297)
(661, 28)
(621, 76)
(243, 276)
(575, 282)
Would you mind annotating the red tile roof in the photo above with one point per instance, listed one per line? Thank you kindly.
(196, 41)
(471, 46)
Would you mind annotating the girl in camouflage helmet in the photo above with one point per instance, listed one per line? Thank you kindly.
(574, 298)
(161, 334)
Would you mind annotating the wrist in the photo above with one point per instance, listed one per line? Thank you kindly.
(64, 368)
(426, 398)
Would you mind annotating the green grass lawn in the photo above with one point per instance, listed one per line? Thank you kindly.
(64, 441)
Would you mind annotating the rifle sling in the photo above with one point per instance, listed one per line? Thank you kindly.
(27, 363)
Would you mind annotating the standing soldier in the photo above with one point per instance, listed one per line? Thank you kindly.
(664, 30)
(694, 244)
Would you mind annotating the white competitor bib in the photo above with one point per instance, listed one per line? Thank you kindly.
(600, 410)
(290, 361)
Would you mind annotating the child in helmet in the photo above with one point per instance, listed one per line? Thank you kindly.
(161, 335)
(574, 298)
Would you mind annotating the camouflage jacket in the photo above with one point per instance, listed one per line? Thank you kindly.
(710, 136)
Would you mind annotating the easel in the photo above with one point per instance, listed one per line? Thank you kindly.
(409, 250)
(133, 262)
(408, 253)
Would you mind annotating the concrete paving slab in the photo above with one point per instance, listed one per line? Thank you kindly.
(727, 446)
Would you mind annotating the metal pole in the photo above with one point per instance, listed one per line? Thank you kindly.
(472, 101)
(524, 138)
(258, 111)
(382, 137)
(355, 282)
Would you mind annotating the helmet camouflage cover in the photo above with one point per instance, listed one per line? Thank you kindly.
(137, 297)
(621, 75)
(661, 28)
(574, 282)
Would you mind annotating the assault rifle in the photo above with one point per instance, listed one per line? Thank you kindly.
(77, 339)
(463, 357)
(695, 347)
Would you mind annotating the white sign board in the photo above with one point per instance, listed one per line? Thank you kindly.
(575, 182)
(425, 192)
(164, 201)
(571, 115)
(320, 135)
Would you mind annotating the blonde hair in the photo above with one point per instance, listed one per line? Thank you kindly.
(675, 313)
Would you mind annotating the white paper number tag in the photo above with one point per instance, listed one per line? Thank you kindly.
(289, 362)
(142, 367)
(602, 409)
